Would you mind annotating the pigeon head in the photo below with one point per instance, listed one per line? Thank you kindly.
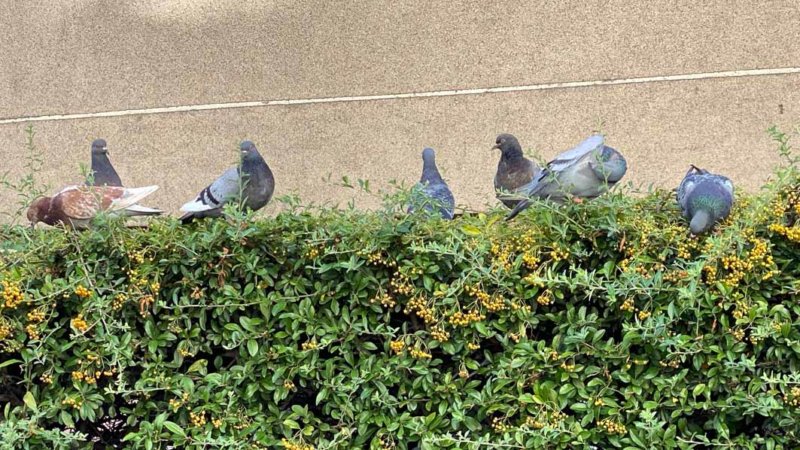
(38, 210)
(508, 145)
(99, 147)
(249, 151)
(606, 153)
(701, 222)
(430, 173)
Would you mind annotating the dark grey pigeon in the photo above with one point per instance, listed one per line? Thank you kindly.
(514, 170)
(586, 171)
(257, 186)
(705, 198)
(103, 171)
(432, 193)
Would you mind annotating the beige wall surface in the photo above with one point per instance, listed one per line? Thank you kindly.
(134, 58)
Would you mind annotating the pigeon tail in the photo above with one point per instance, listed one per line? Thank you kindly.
(521, 206)
(132, 196)
(197, 206)
(187, 218)
(139, 210)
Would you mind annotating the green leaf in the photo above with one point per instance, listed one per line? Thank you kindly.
(30, 401)
(9, 362)
(198, 366)
(66, 419)
(470, 230)
(252, 347)
(175, 428)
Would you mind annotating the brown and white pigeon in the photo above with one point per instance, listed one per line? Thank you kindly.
(76, 206)
(252, 179)
(103, 173)
(514, 170)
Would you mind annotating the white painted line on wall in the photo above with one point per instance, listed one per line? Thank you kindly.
(445, 93)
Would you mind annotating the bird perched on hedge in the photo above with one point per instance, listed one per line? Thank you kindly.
(705, 198)
(514, 170)
(252, 178)
(586, 171)
(76, 206)
(102, 170)
(432, 191)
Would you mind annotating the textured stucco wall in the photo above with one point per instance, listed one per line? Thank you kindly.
(88, 56)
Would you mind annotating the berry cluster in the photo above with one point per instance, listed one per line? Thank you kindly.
(440, 334)
(397, 346)
(384, 299)
(793, 398)
(612, 427)
(289, 445)
(460, 319)
(402, 285)
(419, 354)
(198, 419)
(499, 425)
(419, 306)
(627, 305)
(545, 299)
(80, 324)
(12, 294)
(82, 292)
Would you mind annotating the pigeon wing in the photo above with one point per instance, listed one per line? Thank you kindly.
(216, 194)
(562, 162)
(570, 157)
(79, 203)
(685, 189)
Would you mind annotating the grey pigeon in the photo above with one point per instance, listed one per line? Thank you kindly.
(431, 191)
(514, 170)
(103, 171)
(586, 171)
(257, 186)
(705, 198)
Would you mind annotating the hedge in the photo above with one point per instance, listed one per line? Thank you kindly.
(603, 323)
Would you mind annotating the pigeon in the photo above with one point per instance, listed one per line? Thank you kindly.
(76, 206)
(431, 191)
(705, 198)
(514, 170)
(586, 171)
(257, 186)
(103, 171)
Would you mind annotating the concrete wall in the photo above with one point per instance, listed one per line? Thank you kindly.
(92, 56)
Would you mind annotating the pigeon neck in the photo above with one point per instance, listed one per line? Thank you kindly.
(100, 158)
(100, 162)
(430, 173)
(512, 154)
(46, 213)
(253, 166)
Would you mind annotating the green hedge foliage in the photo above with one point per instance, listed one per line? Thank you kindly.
(603, 323)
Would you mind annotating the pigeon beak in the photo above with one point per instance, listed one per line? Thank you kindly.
(495, 146)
